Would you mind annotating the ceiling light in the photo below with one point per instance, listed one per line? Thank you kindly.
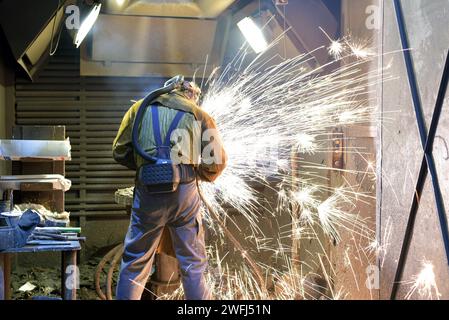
(120, 3)
(87, 24)
(253, 34)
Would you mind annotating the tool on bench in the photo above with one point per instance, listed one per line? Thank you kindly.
(40, 235)
(59, 229)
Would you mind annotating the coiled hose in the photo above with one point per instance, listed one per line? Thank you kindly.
(111, 258)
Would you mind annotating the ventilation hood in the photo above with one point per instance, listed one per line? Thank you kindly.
(28, 26)
(156, 38)
(169, 8)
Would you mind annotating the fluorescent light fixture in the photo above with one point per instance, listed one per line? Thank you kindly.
(253, 34)
(87, 24)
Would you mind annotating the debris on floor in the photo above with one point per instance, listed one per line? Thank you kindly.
(27, 287)
(28, 283)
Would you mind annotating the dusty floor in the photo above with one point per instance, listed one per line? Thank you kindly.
(47, 282)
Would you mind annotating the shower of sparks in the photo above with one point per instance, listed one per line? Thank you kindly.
(424, 283)
(266, 111)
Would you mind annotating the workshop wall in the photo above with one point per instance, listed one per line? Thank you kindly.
(2, 119)
(3, 71)
(352, 263)
(426, 22)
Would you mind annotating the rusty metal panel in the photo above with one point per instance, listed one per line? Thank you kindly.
(352, 261)
(426, 21)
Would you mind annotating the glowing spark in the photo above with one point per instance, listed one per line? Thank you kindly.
(306, 143)
(424, 283)
(381, 249)
(336, 49)
(361, 50)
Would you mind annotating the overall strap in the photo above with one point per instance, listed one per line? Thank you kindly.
(172, 127)
(157, 129)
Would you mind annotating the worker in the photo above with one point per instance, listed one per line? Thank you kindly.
(178, 210)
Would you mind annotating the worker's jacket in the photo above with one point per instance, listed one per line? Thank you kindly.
(196, 123)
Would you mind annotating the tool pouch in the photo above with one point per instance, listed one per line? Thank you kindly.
(160, 177)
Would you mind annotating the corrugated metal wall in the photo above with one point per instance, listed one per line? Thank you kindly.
(91, 108)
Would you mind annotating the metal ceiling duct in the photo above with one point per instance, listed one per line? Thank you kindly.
(148, 46)
(165, 37)
(156, 38)
(169, 8)
(28, 26)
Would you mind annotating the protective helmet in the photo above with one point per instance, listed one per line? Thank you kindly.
(184, 85)
(193, 89)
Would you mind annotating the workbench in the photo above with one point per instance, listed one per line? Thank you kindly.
(68, 258)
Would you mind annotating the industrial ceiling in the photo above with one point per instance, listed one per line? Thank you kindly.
(169, 8)
(156, 38)
(161, 38)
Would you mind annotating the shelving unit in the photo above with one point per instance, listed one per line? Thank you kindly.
(38, 178)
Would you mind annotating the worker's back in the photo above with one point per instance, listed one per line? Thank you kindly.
(189, 139)
(172, 127)
(183, 141)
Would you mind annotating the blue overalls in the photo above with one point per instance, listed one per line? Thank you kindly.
(180, 212)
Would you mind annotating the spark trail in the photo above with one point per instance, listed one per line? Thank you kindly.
(424, 283)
